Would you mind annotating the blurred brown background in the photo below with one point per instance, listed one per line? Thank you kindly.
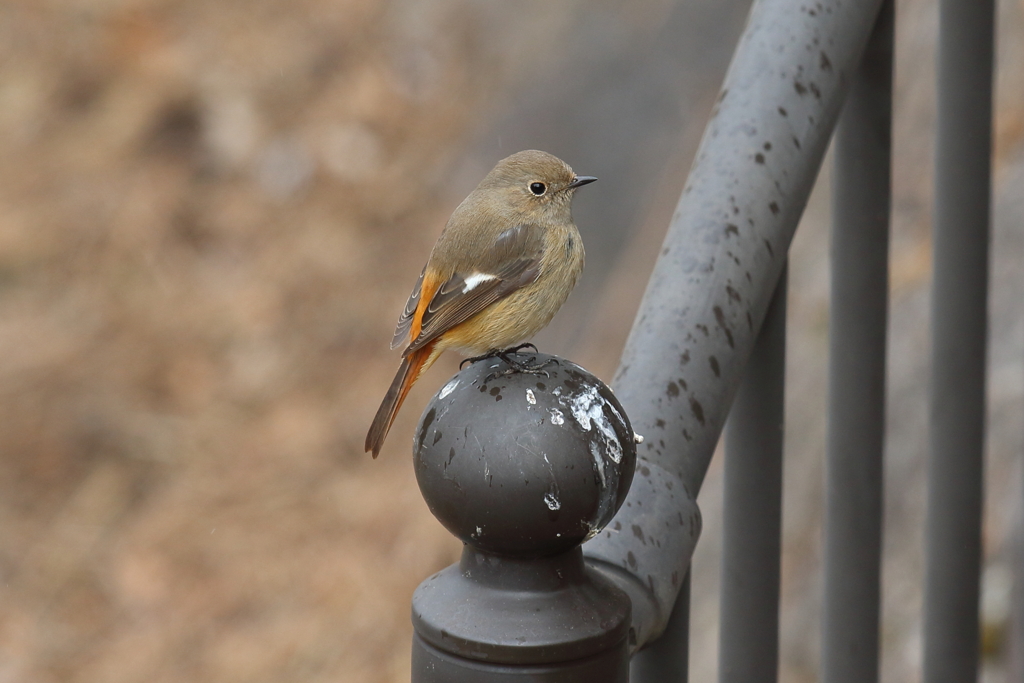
(211, 214)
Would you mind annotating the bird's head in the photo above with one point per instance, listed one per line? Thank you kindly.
(534, 183)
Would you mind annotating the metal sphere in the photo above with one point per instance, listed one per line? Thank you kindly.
(521, 464)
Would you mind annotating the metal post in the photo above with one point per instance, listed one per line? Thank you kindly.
(712, 284)
(523, 469)
(668, 659)
(752, 509)
(857, 334)
(959, 332)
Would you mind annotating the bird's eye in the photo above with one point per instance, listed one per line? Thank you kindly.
(538, 188)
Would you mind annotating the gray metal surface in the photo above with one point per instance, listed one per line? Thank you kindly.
(711, 286)
(857, 361)
(752, 509)
(959, 326)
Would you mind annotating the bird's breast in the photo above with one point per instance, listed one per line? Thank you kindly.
(528, 310)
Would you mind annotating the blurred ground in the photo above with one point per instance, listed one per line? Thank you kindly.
(211, 215)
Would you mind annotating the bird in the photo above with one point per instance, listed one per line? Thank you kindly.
(504, 264)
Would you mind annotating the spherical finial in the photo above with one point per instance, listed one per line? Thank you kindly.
(521, 464)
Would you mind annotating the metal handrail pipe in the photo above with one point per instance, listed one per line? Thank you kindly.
(710, 289)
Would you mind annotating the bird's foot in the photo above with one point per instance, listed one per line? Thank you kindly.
(499, 353)
(530, 367)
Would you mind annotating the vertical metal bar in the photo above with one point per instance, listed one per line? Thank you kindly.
(857, 334)
(667, 660)
(752, 509)
(959, 333)
(1015, 664)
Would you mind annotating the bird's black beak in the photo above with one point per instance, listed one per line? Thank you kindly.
(579, 181)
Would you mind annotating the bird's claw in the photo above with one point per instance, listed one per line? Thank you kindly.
(517, 367)
(514, 366)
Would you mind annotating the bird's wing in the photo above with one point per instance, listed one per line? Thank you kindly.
(512, 261)
(405, 320)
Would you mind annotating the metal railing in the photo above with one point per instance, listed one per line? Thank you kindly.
(709, 344)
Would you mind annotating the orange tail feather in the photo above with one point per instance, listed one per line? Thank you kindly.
(412, 367)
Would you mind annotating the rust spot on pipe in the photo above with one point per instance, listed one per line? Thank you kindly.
(698, 410)
(720, 317)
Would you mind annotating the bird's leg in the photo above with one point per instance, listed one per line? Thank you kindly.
(517, 349)
(474, 359)
(530, 368)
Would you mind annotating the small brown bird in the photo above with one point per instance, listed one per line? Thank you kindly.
(504, 264)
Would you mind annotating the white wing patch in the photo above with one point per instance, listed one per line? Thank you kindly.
(474, 280)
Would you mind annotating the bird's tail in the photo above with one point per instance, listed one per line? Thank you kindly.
(412, 367)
